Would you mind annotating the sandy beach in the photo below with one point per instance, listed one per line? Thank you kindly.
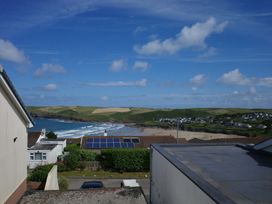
(186, 134)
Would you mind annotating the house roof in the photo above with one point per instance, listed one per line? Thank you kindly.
(227, 173)
(14, 96)
(43, 147)
(32, 138)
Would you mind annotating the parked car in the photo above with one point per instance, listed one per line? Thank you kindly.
(129, 183)
(92, 184)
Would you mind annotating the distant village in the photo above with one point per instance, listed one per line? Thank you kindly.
(249, 120)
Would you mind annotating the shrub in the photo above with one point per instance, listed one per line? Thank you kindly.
(40, 173)
(71, 161)
(51, 135)
(61, 167)
(125, 159)
(63, 184)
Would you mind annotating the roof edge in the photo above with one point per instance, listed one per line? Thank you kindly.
(10, 86)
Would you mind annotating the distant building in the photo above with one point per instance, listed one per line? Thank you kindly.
(14, 121)
(211, 173)
(44, 151)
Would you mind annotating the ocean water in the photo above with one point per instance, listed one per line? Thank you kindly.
(74, 129)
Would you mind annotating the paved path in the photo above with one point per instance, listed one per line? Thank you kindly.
(75, 183)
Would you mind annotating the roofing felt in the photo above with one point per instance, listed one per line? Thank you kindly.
(43, 147)
(227, 173)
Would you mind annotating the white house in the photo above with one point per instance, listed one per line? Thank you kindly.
(45, 151)
(14, 121)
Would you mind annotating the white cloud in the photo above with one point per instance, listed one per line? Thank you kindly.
(189, 37)
(140, 65)
(46, 69)
(140, 83)
(139, 29)
(9, 52)
(50, 87)
(267, 81)
(198, 80)
(104, 98)
(234, 77)
(118, 65)
(211, 51)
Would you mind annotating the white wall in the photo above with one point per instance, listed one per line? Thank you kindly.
(51, 157)
(52, 179)
(13, 161)
(169, 185)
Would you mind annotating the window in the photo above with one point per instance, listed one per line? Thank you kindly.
(44, 156)
(38, 156)
(31, 156)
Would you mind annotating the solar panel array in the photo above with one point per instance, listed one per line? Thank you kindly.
(103, 143)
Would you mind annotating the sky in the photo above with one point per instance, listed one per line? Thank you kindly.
(151, 53)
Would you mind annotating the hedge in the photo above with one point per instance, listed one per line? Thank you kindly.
(128, 160)
(40, 173)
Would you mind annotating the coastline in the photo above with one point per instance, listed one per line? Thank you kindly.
(157, 131)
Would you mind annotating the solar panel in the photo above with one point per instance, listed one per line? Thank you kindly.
(96, 139)
(116, 145)
(109, 140)
(130, 145)
(96, 145)
(127, 140)
(116, 140)
(90, 140)
(110, 145)
(103, 145)
(103, 140)
(124, 145)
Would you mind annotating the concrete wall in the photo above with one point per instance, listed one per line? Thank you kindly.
(52, 179)
(169, 185)
(13, 159)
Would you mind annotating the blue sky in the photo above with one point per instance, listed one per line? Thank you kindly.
(163, 53)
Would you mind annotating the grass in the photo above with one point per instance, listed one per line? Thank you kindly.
(104, 174)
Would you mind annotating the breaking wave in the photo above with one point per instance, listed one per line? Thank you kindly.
(94, 129)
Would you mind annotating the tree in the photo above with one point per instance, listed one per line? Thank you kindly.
(51, 135)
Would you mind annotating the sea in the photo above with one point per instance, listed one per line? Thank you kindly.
(75, 129)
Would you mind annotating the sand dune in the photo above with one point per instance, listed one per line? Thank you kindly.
(187, 134)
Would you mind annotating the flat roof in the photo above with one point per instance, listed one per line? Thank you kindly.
(43, 147)
(228, 173)
(90, 196)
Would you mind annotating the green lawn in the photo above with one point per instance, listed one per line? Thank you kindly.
(105, 174)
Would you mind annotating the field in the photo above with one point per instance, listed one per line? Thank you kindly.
(149, 117)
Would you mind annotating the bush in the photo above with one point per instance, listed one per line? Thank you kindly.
(71, 161)
(40, 173)
(61, 167)
(63, 184)
(51, 135)
(128, 160)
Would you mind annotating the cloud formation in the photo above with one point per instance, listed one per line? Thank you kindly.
(140, 65)
(50, 87)
(9, 52)
(118, 65)
(189, 37)
(47, 69)
(140, 83)
(235, 77)
(198, 80)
